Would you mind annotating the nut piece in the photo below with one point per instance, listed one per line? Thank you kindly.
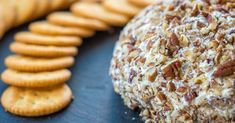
(173, 43)
(185, 118)
(171, 87)
(151, 74)
(213, 44)
(190, 96)
(173, 39)
(225, 69)
(183, 41)
(182, 89)
(161, 97)
(200, 79)
(172, 70)
(196, 10)
(169, 17)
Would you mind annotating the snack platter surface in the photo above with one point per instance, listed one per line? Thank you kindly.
(95, 101)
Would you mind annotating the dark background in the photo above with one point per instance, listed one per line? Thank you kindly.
(95, 101)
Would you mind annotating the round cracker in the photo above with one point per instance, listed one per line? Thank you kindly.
(122, 7)
(43, 27)
(2, 28)
(142, 3)
(68, 19)
(97, 11)
(38, 39)
(98, 1)
(24, 10)
(38, 79)
(32, 64)
(8, 13)
(42, 8)
(42, 51)
(68, 3)
(33, 102)
(57, 4)
(2, 23)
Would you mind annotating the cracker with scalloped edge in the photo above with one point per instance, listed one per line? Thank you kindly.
(32, 64)
(32, 102)
(46, 28)
(122, 7)
(97, 11)
(35, 79)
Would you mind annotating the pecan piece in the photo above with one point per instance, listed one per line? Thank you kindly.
(171, 87)
(182, 89)
(174, 39)
(200, 24)
(196, 10)
(172, 70)
(173, 43)
(151, 74)
(168, 107)
(185, 117)
(190, 96)
(171, 7)
(161, 96)
(169, 17)
(132, 54)
(225, 69)
(141, 60)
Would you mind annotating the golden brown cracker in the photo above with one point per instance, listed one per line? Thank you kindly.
(91, 0)
(46, 28)
(38, 39)
(68, 3)
(57, 4)
(35, 79)
(122, 7)
(32, 64)
(2, 23)
(97, 11)
(68, 19)
(33, 102)
(8, 13)
(41, 9)
(24, 10)
(142, 3)
(42, 51)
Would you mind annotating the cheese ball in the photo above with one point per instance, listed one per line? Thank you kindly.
(175, 61)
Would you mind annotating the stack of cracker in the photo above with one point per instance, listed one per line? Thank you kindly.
(37, 74)
(15, 12)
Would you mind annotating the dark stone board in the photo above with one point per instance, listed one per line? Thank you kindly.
(95, 101)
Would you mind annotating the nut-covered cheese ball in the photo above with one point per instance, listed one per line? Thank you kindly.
(176, 62)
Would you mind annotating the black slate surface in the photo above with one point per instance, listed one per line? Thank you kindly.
(95, 100)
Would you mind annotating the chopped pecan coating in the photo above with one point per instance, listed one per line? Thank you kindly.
(183, 70)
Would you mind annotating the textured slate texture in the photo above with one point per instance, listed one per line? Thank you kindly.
(95, 100)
